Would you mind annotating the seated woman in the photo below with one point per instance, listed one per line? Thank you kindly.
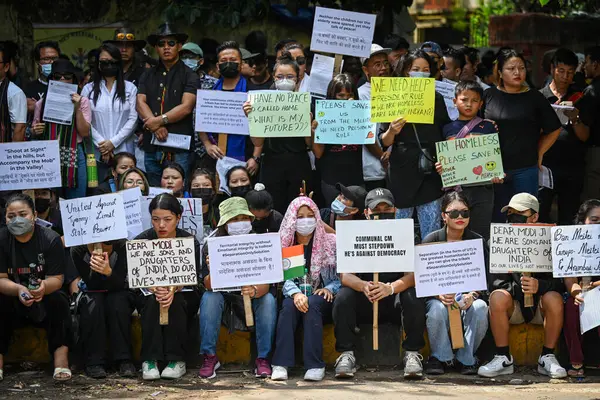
(238, 181)
(167, 342)
(32, 262)
(134, 177)
(260, 203)
(202, 186)
(455, 214)
(105, 307)
(309, 298)
(589, 213)
(236, 219)
(120, 163)
(173, 178)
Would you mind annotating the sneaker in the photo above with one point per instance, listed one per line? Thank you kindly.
(95, 372)
(345, 365)
(263, 368)
(315, 374)
(469, 369)
(150, 371)
(413, 368)
(500, 365)
(210, 365)
(127, 369)
(175, 370)
(548, 365)
(434, 367)
(279, 373)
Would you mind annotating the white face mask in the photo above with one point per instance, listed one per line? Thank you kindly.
(306, 226)
(285, 84)
(418, 74)
(239, 228)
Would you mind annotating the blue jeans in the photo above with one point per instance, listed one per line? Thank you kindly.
(81, 189)
(475, 322)
(265, 320)
(154, 165)
(429, 214)
(523, 180)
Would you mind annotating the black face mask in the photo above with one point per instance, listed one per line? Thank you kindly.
(206, 194)
(260, 225)
(390, 215)
(240, 191)
(516, 219)
(109, 70)
(42, 205)
(229, 69)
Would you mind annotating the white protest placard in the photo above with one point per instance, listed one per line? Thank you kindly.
(589, 311)
(221, 112)
(223, 166)
(174, 141)
(520, 248)
(575, 250)
(93, 219)
(155, 191)
(161, 263)
(375, 246)
(446, 89)
(342, 32)
(58, 107)
(132, 199)
(245, 260)
(449, 268)
(30, 165)
(191, 219)
(320, 75)
(560, 109)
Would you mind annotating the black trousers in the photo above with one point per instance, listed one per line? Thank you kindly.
(282, 175)
(351, 308)
(568, 185)
(168, 342)
(56, 319)
(105, 316)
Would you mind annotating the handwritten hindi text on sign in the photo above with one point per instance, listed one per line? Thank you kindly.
(410, 98)
(279, 114)
(520, 248)
(576, 250)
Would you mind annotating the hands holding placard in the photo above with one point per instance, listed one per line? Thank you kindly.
(99, 263)
(529, 285)
(377, 291)
(439, 169)
(164, 296)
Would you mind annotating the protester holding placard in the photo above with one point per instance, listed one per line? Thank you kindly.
(134, 177)
(236, 219)
(202, 186)
(119, 164)
(507, 303)
(260, 203)
(308, 297)
(167, 342)
(348, 205)
(474, 310)
(32, 262)
(173, 179)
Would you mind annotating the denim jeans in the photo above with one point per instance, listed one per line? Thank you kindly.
(475, 323)
(522, 180)
(429, 214)
(154, 165)
(265, 320)
(81, 189)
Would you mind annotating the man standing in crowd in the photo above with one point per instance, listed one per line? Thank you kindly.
(165, 101)
(248, 70)
(454, 62)
(125, 40)
(399, 47)
(434, 51)
(471, 63)
(193, 56)
(44, 53)
(13, 103)
(262, 79)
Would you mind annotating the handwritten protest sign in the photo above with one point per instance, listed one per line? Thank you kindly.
(93, 219)
(375, 246)
(520, 248)
(29, 165)
(279, 114)
(576, 250)
(411, 98)
(342, 32)
(589, 311)
(476, 159)
(221, 112)
(132, 199)
(446, 88)
(191, 219)
(448, 268)
(161, 263)
(344, 122)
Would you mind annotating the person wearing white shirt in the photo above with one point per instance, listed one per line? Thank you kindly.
(13, 104)
(113, 102)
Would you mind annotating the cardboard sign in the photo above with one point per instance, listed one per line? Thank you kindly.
(191, 220)
(132, 199)
(342, 32)
(476, 159)
(447, 89)
(520, 248)
(576, 250)
(589, 311)
(30, 165)
(410, 98)
(279, 114)
(449, 268)
(245, 260)
(161, 263)
(221, 112)
(93, 219)
(344, 122)
(375, 246)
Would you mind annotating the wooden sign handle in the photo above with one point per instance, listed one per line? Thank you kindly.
(98, 248)
(248, 311)
(223, 142)
(528, 299)
(586, 282)
(376, 316)
(456, 329)
(337, 65)
(164, 311)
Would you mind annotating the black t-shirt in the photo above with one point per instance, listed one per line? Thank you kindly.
(271, 224)
(278, 146)
(35, 90)
(589, 111)
(95, 281)
(342, 163)
(263, 86)
(520, 118)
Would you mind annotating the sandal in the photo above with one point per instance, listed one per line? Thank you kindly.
(576, 372)
(1, 375)
(65, 371)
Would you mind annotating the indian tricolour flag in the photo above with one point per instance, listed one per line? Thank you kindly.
(293, 262)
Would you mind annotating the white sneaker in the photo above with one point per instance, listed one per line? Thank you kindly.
(500, 365)
(345, 365)
(175, 370)
(315, 374)
(548, 365)
(413, 367)
(279, 373)
(150, 371)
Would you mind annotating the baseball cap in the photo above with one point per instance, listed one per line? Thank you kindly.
(377, 196)
(523, 202)
(375, 49)
(356, 194)
(433, 48)
(194, 48)
(247, 55)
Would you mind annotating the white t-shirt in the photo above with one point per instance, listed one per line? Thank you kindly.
(17, 104)
(372, 168)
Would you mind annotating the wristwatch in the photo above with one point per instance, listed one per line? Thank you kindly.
(257, 159)
(165, 119)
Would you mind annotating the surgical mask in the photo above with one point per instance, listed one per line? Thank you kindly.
(206, 194)
(390, 215)
(260, 225)
(418, 74)
(229, 69)
(193, 64)
(46, 69)
(240, 191)
(287, 85)
(239, 228)
(19, 226)
(306, 226)
(42, 205)
(516, 219)
(339, 208)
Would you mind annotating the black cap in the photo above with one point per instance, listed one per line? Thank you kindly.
(377, 196)
(356, 194)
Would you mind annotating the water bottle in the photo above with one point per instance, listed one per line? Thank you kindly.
(33, 283)
(305, 287)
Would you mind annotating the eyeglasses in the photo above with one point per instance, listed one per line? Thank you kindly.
(134, 182)
(107, 63)
(57, 76)
(128, 36)
(163, 43)
(282, 77)
(300, 60)
(48, 60)
(381, 64)
(453, 214)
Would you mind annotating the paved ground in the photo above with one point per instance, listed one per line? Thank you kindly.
(237, 384)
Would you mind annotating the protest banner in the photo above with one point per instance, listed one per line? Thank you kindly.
(575, 251)
(93, 219)
(191, 220)
(219, 111)
(279, 114)
(344, 122)
(30, 165)
(342, 32)
(58, 107)
(476, 159)
(321, 72)
(410, 98)
(132, 199)
(589, 311)
(447, 89)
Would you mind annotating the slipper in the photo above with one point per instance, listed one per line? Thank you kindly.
(65, 371)
(576, 372)
(1, 375)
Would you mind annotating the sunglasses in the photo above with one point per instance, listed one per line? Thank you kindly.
(300, 60)
(163, 43)
(107, 63)
(66, 76)
(456, 213)
(123, 36)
